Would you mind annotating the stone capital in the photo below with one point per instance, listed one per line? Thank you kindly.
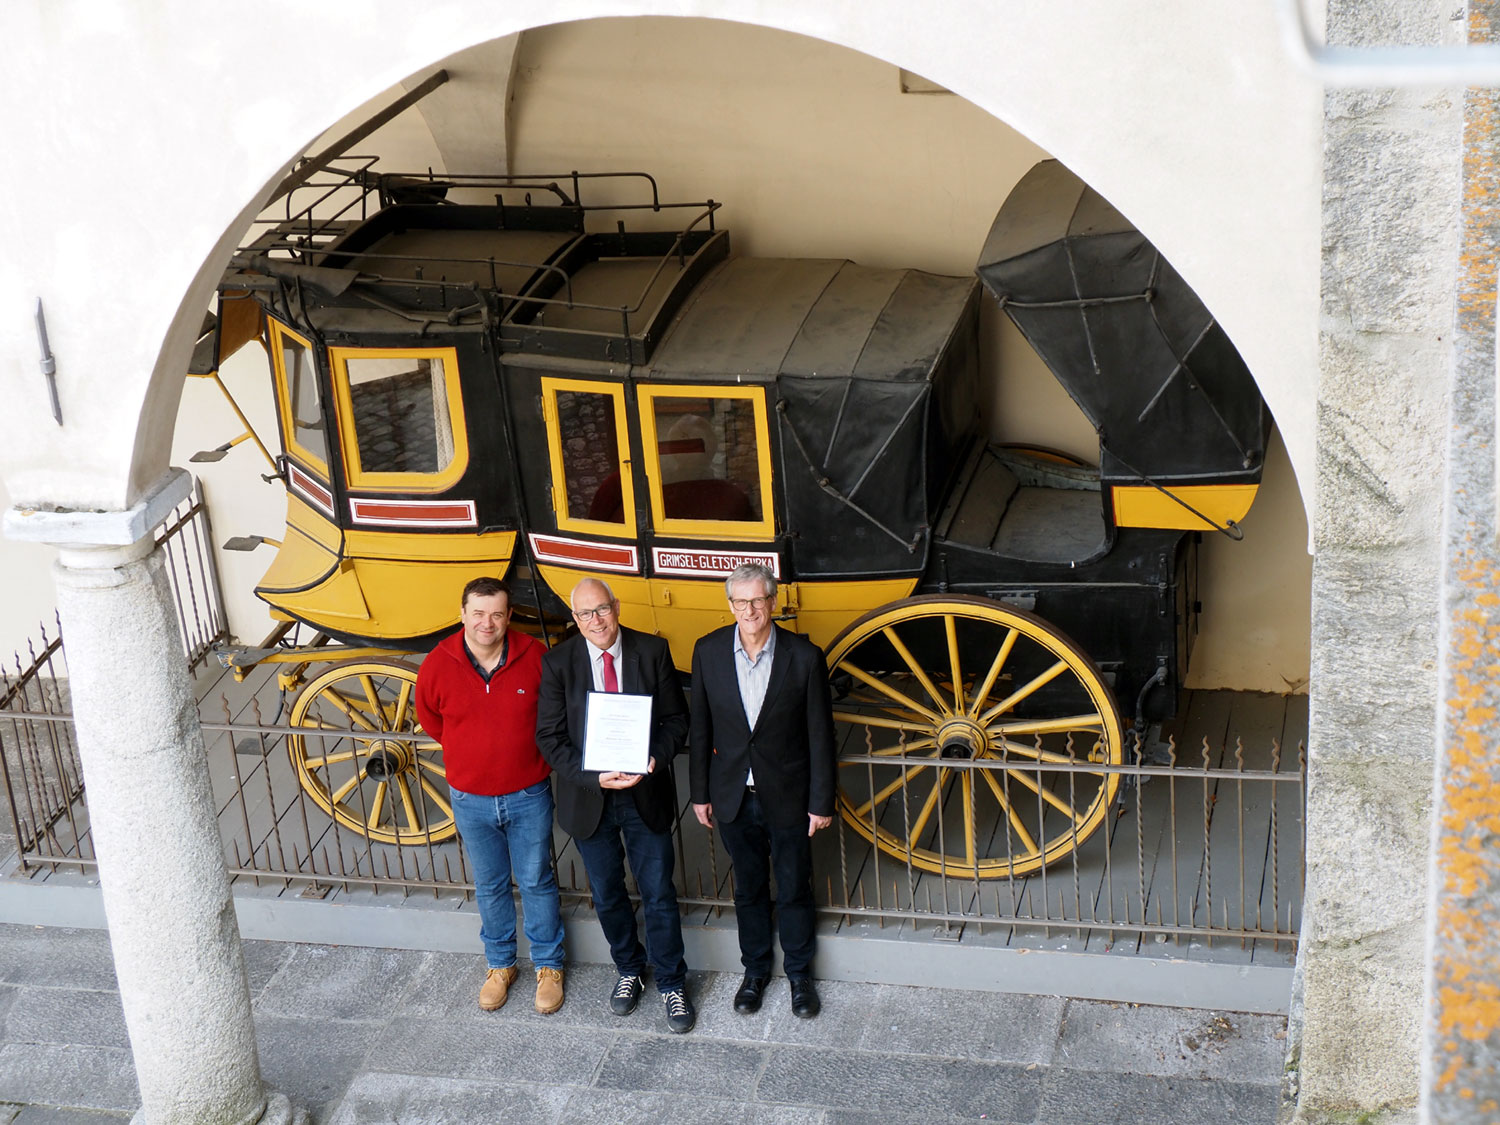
(79, 530)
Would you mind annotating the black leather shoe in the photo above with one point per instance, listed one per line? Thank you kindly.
(627, 992)
(747, 999)
(680, 1013)
(805, 1002)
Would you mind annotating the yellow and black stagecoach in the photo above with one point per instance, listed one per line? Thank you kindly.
(490, 376)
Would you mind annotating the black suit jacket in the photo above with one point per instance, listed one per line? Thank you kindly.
(792, 746)
(567, 678)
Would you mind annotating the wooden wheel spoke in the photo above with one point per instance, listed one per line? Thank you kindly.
(348, 707)
(345, 789)
(928, 806)
(1034, 685)
(881, 722)
(885, 689)
(377, 806)
(1036, 754)
(916, 670)
(436, 797)
(433, 767)
(1091, 722)
(905, 778)
(1016, 824)
(403, 701)
(898, 750)
(993, 674)
(407, 803)
(950, 627)
(376, 707)
(1047, 795)
(328, 760)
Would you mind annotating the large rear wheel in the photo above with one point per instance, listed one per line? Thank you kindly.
(969, 727)
(379, 776)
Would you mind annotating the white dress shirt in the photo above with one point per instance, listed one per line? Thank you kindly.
(754, 677)
(596, 662)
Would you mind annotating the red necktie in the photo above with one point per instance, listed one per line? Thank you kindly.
(610, 683)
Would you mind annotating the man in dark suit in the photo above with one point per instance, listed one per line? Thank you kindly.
(614, 815)
(761, 761)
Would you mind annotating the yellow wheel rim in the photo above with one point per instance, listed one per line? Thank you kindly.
(962, 702)
(374, 777)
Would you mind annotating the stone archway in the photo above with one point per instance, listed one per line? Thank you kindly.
(1216, 162)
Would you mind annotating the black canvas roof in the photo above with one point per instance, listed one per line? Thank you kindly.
(764, 317)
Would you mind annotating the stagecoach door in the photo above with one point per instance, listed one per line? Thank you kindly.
(666, 532)
(593, 496)
(707, 462)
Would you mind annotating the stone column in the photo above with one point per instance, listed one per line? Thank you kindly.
(166, 894)
(1390, 223)
(1461, 1052)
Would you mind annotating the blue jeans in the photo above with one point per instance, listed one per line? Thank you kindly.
(650, 856)
(505, 835)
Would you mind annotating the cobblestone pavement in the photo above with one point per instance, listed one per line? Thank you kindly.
(361, 1035)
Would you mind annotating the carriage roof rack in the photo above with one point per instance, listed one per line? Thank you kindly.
(401, 243)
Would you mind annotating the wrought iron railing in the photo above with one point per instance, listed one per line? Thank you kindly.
(1201, 843)
(40, 773)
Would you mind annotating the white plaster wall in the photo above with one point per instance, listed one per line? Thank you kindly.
(1184, 114)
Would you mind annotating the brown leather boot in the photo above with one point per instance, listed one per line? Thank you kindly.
(549, 990)
(496, 987)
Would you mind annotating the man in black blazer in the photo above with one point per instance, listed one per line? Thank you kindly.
(761, 762)
(602, 811)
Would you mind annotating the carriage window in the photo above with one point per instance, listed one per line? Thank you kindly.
(401, 417)
(711, 467)
(301, 402)
(591, 484)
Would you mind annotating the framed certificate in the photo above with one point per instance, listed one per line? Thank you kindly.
(617, 733)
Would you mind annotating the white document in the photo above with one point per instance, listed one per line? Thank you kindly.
(617, 733)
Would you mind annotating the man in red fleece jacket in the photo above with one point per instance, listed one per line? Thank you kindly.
(477, 696)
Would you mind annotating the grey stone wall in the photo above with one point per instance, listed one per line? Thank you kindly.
(1390, 254)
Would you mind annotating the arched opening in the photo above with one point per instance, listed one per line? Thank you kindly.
(814, 150)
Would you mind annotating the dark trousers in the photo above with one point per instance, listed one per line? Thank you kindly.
(756, 847)
(651, 857)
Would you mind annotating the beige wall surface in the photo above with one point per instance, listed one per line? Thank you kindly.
(815, 151)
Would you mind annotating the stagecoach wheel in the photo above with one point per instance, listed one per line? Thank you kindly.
(377, 776)
(957, 705)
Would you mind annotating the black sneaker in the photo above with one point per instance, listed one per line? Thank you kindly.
(627, 992)
(680, 1014)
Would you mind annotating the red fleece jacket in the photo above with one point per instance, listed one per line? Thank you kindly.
(488, 730)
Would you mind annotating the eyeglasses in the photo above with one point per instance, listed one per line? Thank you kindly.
(587, 615)
(740, 605)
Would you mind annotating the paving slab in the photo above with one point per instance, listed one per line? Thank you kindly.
(66, 1015)
(1144, 1039)
(340, 982)
(682, 1064)
(58, 1074)
(869, 1081)
(626, 1107)
(900, 1117)
(1079, 1097)
(51, 1115)
(396, 1099)
(313, 1061)
(68, 958)
(994, 1027)
(519, 1049)
(263, 960)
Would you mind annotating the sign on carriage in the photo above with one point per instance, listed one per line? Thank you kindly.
(708, 564)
